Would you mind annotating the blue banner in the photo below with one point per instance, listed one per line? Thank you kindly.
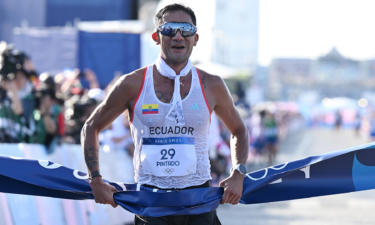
(337, 172)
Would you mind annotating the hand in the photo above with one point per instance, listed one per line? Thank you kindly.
(28, 65)
(76, 73)
(45, 105)
(103, 192)
(8, 85)
(90, 75)
(233, 187)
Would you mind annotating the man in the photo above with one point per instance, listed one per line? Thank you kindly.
(22, 103)
(170, 134)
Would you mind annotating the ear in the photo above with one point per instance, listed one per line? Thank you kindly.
(196, 38)
(155, 37)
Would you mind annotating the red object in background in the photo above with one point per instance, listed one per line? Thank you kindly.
(77, 91)
(61, 124)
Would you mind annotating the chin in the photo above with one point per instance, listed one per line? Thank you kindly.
(177, 58)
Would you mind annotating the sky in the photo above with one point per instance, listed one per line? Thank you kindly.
(310, 28)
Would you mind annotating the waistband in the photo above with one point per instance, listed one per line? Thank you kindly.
(204, 185)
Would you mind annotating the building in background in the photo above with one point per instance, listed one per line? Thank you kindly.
(331, 75)
(236, 31)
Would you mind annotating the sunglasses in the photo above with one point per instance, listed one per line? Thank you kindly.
(170, 29)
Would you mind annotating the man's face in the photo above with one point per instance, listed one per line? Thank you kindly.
(20, 80)
(176, 49)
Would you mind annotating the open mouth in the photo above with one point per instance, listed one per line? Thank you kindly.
(178, 47)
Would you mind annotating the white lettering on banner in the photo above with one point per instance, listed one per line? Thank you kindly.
(266, 171)
(45, 163)
(277, 181)
(306, 170)
(76, 174)
(169, 156)
(16, 158)
(121, 185)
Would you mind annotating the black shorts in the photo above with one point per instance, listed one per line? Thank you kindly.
(209, 218)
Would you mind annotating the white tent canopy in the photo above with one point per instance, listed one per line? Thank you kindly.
(218, 69)
(340, 103)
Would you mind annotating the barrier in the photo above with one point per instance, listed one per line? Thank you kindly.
(26, 210)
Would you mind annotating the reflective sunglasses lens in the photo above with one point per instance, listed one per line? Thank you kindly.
(187, 33)
(168, 32)
(170, 29)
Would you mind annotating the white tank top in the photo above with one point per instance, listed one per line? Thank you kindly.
(149, 122)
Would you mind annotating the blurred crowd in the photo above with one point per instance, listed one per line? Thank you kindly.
(267, 127)
(48, 108)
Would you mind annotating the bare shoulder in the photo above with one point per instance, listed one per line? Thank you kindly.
(210, 81)
(215, 90)
(130, 83)
(132, 80)
(127, 87)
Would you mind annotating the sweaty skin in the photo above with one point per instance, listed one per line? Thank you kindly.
(123, 96)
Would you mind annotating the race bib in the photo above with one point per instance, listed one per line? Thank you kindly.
(173, 156)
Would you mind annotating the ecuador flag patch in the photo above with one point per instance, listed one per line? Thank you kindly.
(150, 109)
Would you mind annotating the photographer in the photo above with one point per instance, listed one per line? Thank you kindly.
(78, 111)
(46, 114)
(12, 93)
(45, 117)
(17, 104)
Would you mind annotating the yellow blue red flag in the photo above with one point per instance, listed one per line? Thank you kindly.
(150, 109)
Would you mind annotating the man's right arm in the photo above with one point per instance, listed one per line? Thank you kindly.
(118, 100)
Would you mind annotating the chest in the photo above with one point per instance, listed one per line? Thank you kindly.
(164, 88)
(152, 114)
(154, 104)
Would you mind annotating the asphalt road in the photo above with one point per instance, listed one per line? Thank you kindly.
(352, 208)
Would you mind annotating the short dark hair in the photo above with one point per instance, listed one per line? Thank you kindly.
(174, 7)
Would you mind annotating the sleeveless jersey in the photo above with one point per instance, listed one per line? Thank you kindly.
(149, 122)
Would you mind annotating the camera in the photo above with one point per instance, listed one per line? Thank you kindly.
(41, 93)
(11, 61)
(81, 105)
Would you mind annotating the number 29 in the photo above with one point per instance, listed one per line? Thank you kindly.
(171, 152)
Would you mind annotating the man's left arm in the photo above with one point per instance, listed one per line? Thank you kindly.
(227, 112)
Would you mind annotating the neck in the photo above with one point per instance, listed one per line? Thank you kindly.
(177, 67)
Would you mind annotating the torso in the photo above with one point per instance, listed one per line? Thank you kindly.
(151, 124)
(165, 86)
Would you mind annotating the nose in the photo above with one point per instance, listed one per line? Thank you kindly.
(178, 36)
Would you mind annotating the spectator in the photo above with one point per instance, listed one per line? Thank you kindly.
(257, 132)
(47, 113)
(117, 136)
(76, 81)
(45, 117)
(219, 152)
(78, 111)
(338, 120)
(271, 135)
(18, 105)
